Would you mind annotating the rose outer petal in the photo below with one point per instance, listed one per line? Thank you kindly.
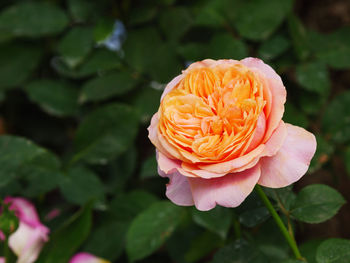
(86, 258)
(278, 93)
(229, 190)
(291, 162)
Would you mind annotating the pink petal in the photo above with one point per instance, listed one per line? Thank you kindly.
(86, 258)
(291, 162)
(24, 210)
(27, 242)
(278, 92)
(178, 189)
(2, 260)
(259, 132)
(229, 190)
(276, 140)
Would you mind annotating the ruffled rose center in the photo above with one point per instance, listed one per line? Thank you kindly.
(213, 113)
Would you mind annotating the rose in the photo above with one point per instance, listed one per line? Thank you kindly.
(86, 258)
(219, 132)
(27, 241)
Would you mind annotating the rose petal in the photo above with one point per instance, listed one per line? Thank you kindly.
(86, 258)
(2, 260)
(259, 132)
(276, 140)
(291, 162)
(229, 190)
(24, 210)
(171, 85)
(27, 242)
(278, 93)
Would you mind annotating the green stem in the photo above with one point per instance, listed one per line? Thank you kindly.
(7, 250)
(279, 222)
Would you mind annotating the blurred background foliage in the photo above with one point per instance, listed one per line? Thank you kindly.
(79, 81)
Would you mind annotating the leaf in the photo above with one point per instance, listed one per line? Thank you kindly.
(106, 133)
(299, 37)
(258, 19)
(23, 20)
(149, 168)
(294, 116)
(217, 220)
(109, 248)
(107, 86)
(127, 206)
(336, 121)
(146, 101)
(15, 153)
(254, 217)
(273, 47)
(347, 160)
(65, 242)
(203, 245)
(239, 251)
(224, 46)
(332, 49)
(334, 250)
(175, 22)
(100, 61)
(81, 185)
(54, 97)
(75, 45)
(313, 77)
(142, 15)
(308, 249)
(17, 62)
(82, 10)
(162, 66)
(150, 229)
(317, 203)
(192, 51)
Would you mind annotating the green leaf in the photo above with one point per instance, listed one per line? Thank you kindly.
(81, 185)
(82, 10)
(313, 77)
(317, 203)
(175, 22)
(294, 116)
(334, 250)
(42, 174)
(217, 220)
(142, 15)
(311, 102)
(103, 29)
(336, 121)
(17, 62)
(273, 47)
(146, 101)
(258, 19)
(65, 242)
(99, 61)
(127, 206)
(150, 229)
(106, 133)
(202, 246)
(107, 86)
(254, 217)
(332, 49)
(109, 248)
(224, 46)
(15, 153)
(299, 37)
(23, 19)
(149, 167)
(55, 98)
(192, 51)
(162, 66)
(75, 45)
(239, 251)
(215, 13)
(308, 250)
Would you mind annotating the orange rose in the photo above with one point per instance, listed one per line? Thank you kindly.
(219, 132)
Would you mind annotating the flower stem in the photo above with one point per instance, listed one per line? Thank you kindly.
(279, 222)
(6, 250)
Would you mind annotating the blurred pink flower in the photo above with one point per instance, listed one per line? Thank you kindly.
(84, 257)
(219, 132)
(28, 240)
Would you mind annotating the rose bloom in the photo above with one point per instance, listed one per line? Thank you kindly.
(86, 258)
(219, 132)
(27, 241)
